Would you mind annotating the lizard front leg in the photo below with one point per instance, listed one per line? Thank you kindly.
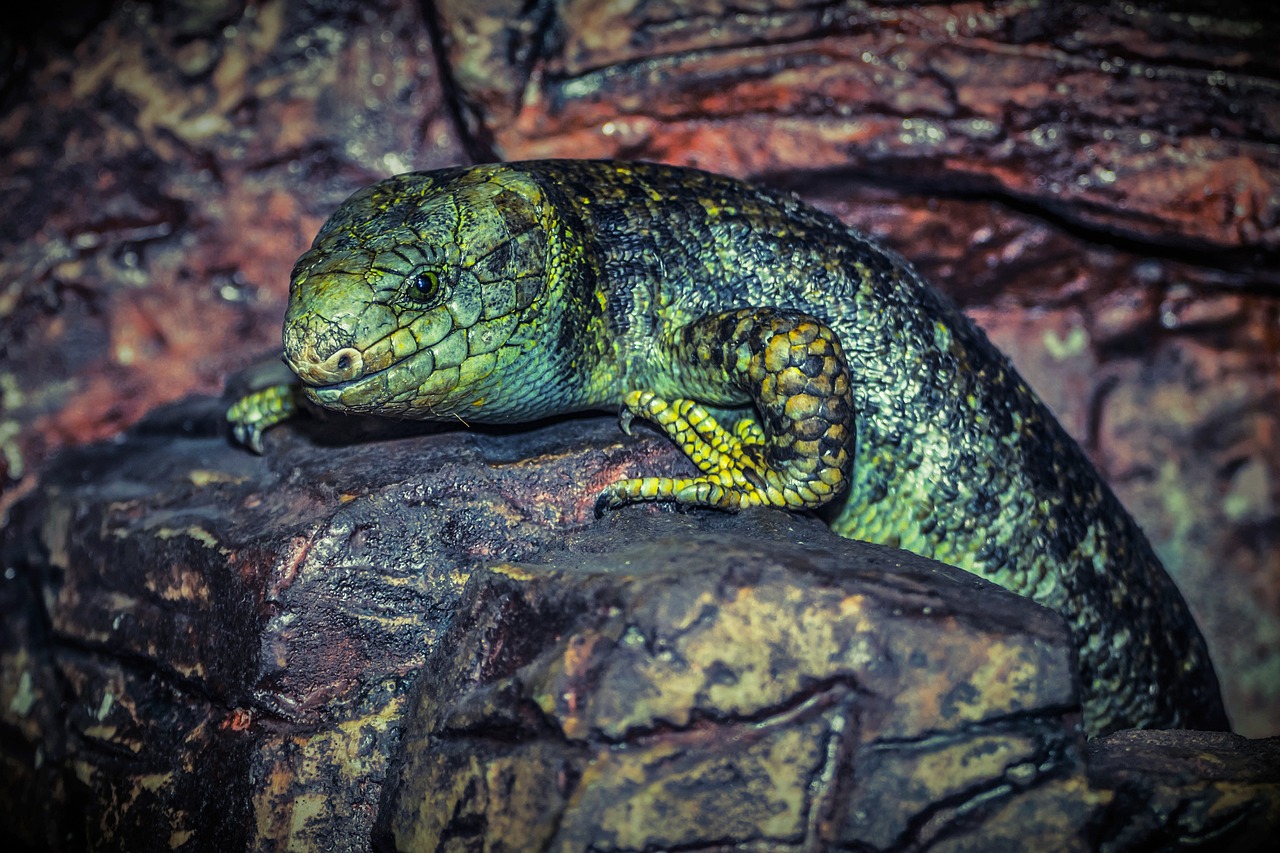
(791, 366)
(257, 411)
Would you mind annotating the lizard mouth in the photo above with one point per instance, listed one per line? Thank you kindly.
(341, 370)
(334, 389)
(391, 390)
(329, 389)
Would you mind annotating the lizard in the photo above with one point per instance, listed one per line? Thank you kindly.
(797, 362)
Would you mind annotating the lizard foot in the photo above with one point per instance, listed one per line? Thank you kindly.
(735, 471)
(256, 412)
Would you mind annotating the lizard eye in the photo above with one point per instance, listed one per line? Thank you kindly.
(422, 287)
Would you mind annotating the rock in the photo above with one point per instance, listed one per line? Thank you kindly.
(1079, 108)
(213, 643)
(1202, 790)
(419, 636)
(731, 681)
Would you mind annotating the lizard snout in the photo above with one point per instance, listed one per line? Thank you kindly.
(342, 365)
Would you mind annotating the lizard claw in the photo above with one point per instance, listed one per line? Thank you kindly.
(607, 499)
(249, 435)
(256, 412)
(247, 424)
(625, 417)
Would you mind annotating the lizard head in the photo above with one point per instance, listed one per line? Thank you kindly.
(423, 294)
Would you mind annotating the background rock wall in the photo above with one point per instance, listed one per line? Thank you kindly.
(1098, 184)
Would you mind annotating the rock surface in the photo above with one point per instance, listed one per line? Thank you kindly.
(964, 96)
(421, 637)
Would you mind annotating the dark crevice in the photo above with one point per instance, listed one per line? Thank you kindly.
(476, 150)
(148, 669)
(809, 701)
(1261, 265)
(640, 66)
(1047, 719)
(1095, 410)
(472, 131)
(971, 804)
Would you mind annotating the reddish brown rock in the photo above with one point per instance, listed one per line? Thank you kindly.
(163, 169)
(1078, 108)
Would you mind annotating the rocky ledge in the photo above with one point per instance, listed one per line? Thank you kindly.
(419, 638)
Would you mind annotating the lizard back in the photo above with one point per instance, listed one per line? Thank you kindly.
(955, 457)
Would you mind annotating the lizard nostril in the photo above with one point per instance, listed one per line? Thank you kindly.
(346, 363)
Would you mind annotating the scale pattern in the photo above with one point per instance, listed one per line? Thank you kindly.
(798, 363)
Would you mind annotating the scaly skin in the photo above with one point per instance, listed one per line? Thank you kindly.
(794, 360)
